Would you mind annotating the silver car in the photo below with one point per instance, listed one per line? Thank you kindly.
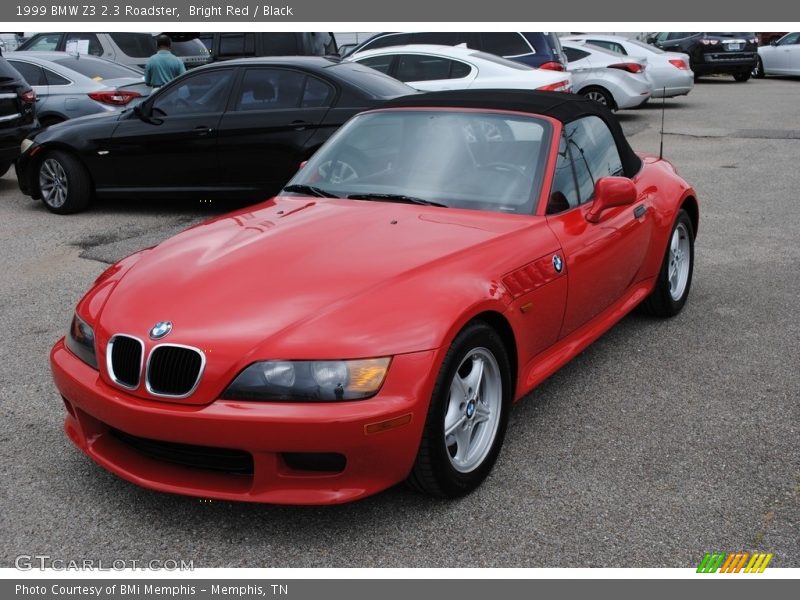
(781, 57)
(607, 77)
(669, 71)
(126, 48)
(69, 86)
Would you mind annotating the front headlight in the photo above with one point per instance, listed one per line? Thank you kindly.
(80, 340)
(26, 143)
(309, 380)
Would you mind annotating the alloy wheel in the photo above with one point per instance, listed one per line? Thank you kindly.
(473, 411)
(53, 183)
(680, 256)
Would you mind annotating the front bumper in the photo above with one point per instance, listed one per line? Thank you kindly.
(23, 167)
(264, 430)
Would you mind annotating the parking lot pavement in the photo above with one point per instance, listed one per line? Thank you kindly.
(663, 441)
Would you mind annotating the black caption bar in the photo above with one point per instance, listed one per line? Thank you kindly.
(333, 589)
(419, 11)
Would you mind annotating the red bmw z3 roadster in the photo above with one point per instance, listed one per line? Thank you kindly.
(431, 264)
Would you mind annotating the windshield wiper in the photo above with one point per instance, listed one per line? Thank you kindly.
(396, 198)
(301, 188)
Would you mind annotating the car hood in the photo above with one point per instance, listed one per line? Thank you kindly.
(307, 278)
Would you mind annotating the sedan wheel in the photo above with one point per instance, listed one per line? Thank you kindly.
(64, 184)
(338, 171)
(599, 95)
(467, 417)
(53, 183)
(347, 167)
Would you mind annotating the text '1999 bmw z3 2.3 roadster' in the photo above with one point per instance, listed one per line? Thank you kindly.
(433, 262)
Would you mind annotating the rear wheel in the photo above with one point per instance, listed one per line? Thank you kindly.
(742, 76)
(599, 95)
(64, 183)
(675, 277)
(467, 417)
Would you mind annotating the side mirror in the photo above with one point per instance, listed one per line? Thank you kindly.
(144, 112)
(608, 193)
(773, 43)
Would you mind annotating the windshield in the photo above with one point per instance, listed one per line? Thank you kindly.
(193, 47)
(372, 82)
(647, 47)
(502, 61)
(464, 159)
(97, 69)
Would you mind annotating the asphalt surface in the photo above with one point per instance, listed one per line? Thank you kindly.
(663, 441)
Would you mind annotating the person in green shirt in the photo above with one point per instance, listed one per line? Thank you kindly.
(163, 66)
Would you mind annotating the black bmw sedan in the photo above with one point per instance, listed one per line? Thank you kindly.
(231, 130)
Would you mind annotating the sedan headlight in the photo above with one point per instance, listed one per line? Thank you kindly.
(80, 340)
(309, 380)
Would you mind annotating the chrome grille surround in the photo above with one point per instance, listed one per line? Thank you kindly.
(110, 360)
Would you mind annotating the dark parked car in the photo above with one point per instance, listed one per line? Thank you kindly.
(539, 49)
(733, 53)
(17, 115)
(236, 129)
(230, 45)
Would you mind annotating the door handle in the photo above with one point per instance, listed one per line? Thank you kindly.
(203, 130)
(639, 211)
(299, 125)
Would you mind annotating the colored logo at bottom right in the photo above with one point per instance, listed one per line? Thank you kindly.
(734, 562)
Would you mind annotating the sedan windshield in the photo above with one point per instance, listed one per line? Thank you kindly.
(475, 160)
(96, 69)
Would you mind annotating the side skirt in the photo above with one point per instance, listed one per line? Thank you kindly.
(551, 360)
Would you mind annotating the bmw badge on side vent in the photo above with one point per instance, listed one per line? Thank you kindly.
(558, 264)
(160, 330)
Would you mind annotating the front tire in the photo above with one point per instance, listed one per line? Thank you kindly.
(467, 417)
(675, 277)
(64, 183)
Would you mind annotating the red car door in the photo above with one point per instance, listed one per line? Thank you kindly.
(603, 259)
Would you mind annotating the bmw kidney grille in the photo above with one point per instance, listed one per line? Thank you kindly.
(125, 360)
(171, 371)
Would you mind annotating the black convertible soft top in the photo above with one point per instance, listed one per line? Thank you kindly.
(558, 105)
